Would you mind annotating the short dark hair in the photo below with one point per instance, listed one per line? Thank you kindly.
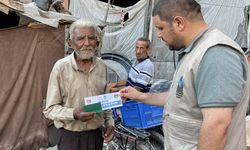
(144, 39)
(167, 9)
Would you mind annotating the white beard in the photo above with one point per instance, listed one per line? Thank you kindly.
(84, 53)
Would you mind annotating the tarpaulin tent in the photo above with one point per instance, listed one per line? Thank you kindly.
(27, 55)
(26, 59)
(120, 35)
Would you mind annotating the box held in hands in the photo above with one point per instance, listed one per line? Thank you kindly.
(103, 102)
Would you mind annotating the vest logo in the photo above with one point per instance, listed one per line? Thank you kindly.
(179, 90)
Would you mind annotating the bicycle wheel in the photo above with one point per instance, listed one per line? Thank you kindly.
(140, 145)
(116, 144)
(111, 146)
(157, 140)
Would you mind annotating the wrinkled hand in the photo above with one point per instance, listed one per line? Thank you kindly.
(112, 87)
(129, 93)
(79, 114)
(109, 134)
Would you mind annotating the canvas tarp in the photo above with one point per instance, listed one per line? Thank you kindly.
(30, 9)
(46, 17)
(13, 4)
(223, 14)
(226, 15)
(118, 38)
(26, 59)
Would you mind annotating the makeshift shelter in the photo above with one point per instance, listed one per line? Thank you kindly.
(121, 32)
(27, 55)
(226, 15)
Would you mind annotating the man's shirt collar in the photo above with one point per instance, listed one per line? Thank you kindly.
(188, 49)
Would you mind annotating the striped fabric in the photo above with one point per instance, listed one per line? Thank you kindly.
(141, 74)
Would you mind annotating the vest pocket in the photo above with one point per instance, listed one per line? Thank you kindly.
(182, 128)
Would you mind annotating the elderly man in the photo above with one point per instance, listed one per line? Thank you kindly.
(72, 78)
(205, 107)
(142, 71)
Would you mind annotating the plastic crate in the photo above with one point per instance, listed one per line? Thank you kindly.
(140, 115)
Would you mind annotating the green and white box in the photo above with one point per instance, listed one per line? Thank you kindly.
(102, 102)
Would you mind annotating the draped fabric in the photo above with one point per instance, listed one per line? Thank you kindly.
(27, 56)
(226, 15)
(119, 37)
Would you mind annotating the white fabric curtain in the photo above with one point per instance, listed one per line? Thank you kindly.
(226, 15)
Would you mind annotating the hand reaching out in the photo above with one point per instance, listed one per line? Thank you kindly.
(113, 87)
(130, 93)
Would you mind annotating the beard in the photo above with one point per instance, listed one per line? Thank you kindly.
(174, 47)
(85, 53)
(177, 42)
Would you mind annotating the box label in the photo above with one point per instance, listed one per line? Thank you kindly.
(108, 101)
